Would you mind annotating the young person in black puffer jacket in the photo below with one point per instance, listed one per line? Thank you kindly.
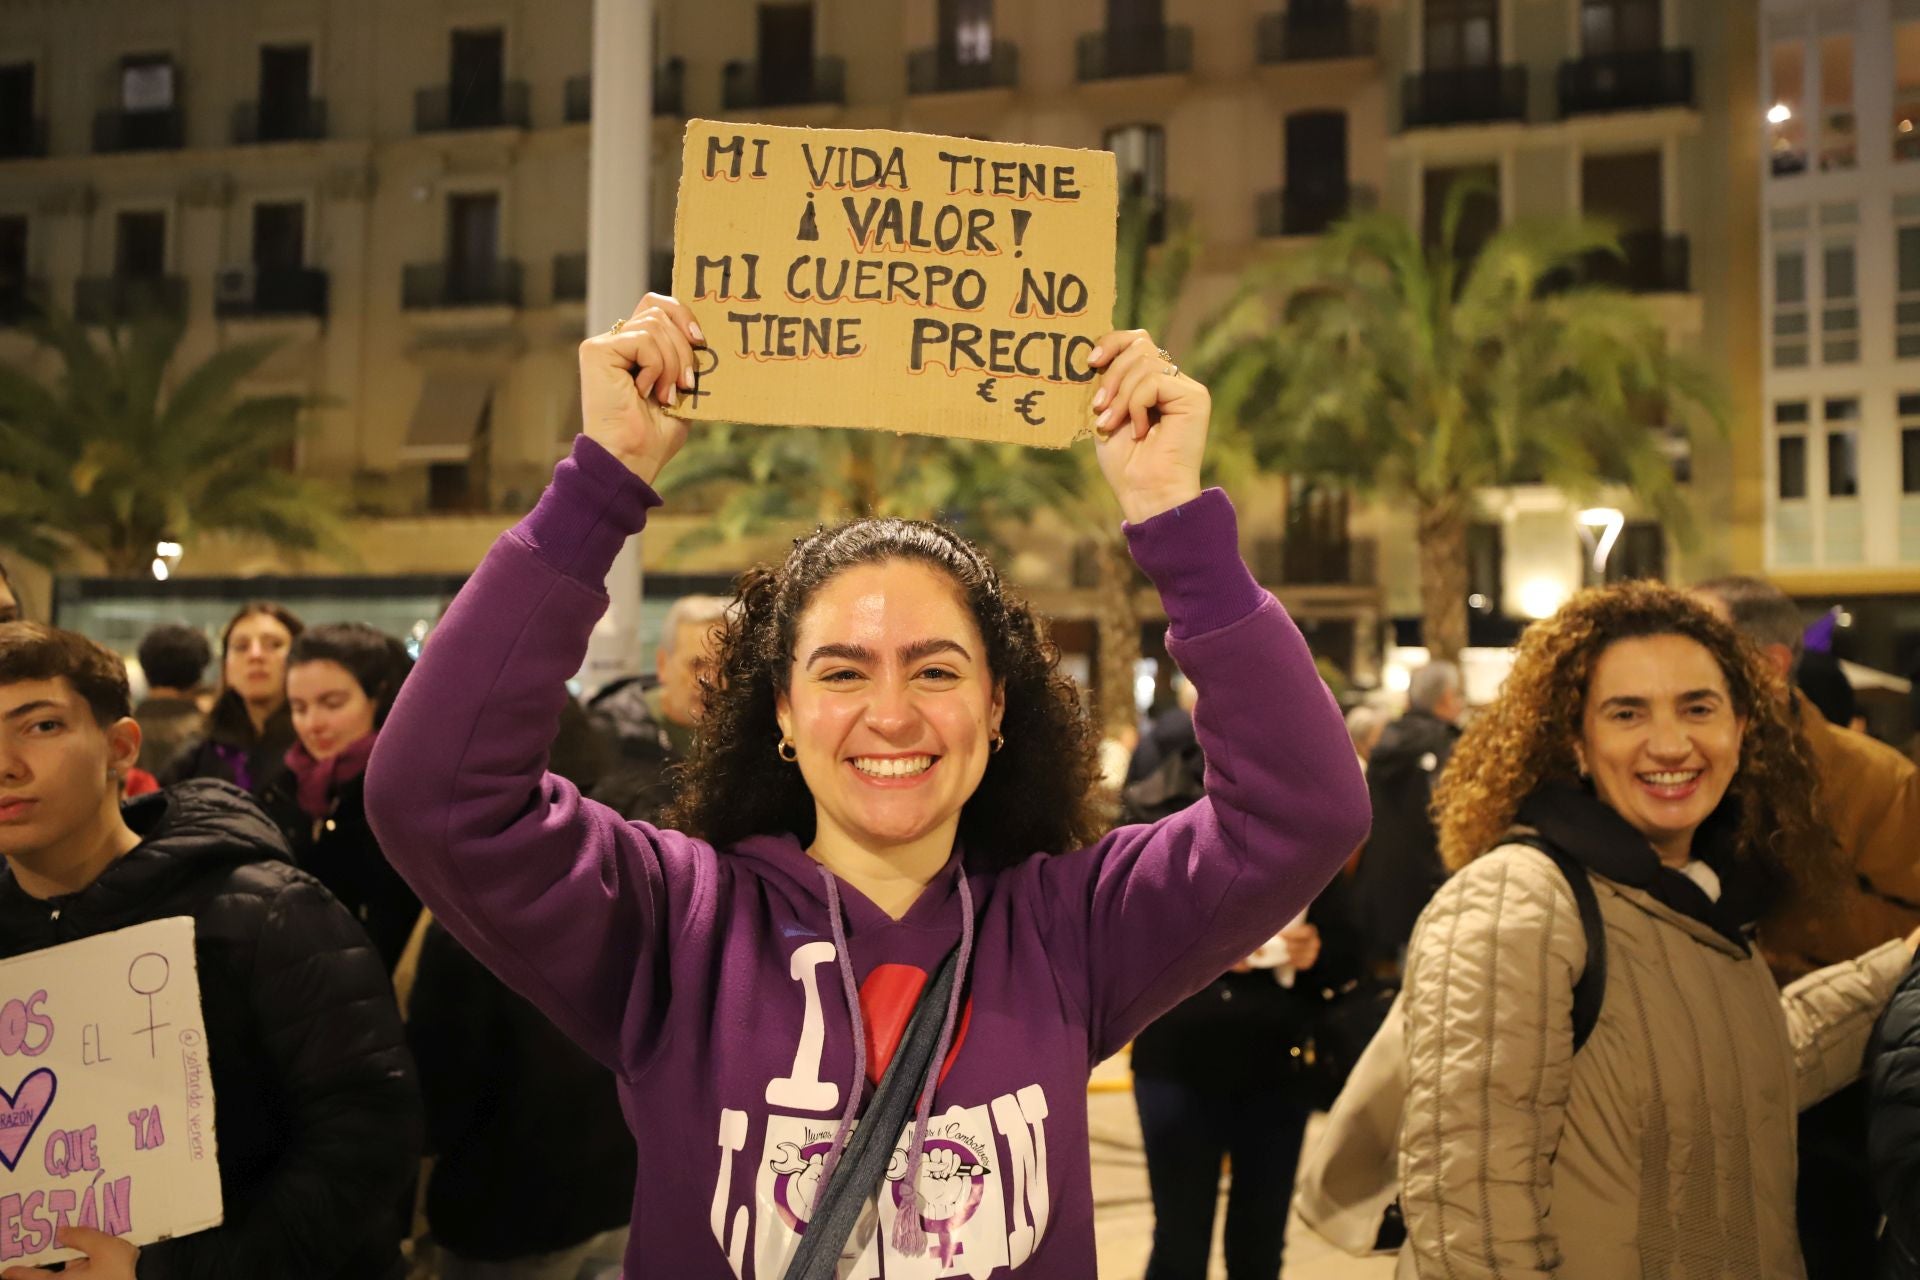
(316, 1105)
(1893, 1143)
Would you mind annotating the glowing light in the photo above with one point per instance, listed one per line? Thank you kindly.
(171, 549)
(1606, 524)
(1906, 126)
(1843, 619)
(1779, 113)
(160, 570)
(1541, 597)
(1478, 602)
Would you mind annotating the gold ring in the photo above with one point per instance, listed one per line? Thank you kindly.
(618, 325)
(1166, 355)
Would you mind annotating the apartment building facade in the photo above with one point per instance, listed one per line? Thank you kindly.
(397, 194)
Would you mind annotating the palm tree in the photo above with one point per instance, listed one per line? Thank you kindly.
(1401, 371)
(105, 460)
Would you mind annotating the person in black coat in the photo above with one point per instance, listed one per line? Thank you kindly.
(341, 682)
(248, 729)
(1893, 1143)
(316, 1105)
(1399, 871)
(505, 1198)
(1228, 1073)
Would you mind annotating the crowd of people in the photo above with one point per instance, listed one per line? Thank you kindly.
(806, 947)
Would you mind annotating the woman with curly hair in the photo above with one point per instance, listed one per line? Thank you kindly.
(891, 781)
(1638, 737)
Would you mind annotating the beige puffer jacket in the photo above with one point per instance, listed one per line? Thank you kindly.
(1665, 1148)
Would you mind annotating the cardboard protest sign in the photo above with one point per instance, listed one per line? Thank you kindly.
(895, 281)
(106, 1101)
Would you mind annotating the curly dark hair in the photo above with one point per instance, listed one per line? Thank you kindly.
(1527, 736)
(1038, 794)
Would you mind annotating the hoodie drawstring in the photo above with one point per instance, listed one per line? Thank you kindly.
(909, 1237)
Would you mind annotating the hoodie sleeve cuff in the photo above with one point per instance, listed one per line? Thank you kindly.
(1192, 555)
(589, 511)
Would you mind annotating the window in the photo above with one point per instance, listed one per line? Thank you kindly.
(1840, 309)
(1140, 155)
(1906, 91)
(966, 31)
(1479, 216)
(477, 78)
(17, 110)
(140, 246)
(13, 255)
(1619, 26)
(146, 82)
(1486, 566)
(1837, 142)
(1906, 307)
(786, 53)
(1640, 553)
(286, 89)
(1787, 107)
(1789, 307)
(1842, 421)
(1316, 169)
(473, 246)
(1135, 16)
(1910, 443)
(1461, 34)
(1790, 421)
(279, 236)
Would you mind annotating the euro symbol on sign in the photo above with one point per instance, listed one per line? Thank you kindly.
(985, 390)
(1024, 407)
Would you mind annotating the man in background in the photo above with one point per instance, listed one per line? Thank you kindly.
(174, 658)
(652, 724)
(1870, 798)
(1400, 869)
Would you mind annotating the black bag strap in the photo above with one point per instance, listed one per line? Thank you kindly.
(1591, 990)
(869, 1149)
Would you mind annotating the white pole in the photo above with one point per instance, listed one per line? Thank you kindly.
(619, 194)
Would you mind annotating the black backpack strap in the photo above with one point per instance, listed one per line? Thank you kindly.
(863, 1163)
(1591, 990)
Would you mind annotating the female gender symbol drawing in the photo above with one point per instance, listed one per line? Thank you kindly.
(147, 976)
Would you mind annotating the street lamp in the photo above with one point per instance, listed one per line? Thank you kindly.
(1600, 527)
(166, 558)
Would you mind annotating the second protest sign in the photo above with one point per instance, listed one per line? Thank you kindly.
(895, 281)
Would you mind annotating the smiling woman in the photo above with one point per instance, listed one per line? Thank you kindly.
(885, 852)
(1639, 740)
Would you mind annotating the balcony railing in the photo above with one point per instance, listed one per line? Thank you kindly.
(747, 85)
(569, 277)
(303, 121)
(1467, 95)
(941, 69)
(138, 130)
(1626, 82)
(22, 138)
(20, 300)
(1134, 51)
(113, 299)
(1650, 262)
(270, 291)
(502, 106)
(1304, 35)
(1308, 211)
(427, 286)
(669, 93)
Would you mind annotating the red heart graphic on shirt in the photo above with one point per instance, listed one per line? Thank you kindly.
(887, 999)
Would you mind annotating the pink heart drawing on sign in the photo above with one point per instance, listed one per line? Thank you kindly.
(21, 1114)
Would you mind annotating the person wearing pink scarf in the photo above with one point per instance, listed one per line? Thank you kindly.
(341, 680)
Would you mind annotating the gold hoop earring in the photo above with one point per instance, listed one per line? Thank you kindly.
(786, 750)
(997, 741)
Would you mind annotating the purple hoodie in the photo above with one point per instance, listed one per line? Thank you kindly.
(728, 988)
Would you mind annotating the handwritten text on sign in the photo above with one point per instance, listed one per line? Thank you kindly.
(895, 281)
(106, 1104)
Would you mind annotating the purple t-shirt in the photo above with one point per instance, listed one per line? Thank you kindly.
(708, 980)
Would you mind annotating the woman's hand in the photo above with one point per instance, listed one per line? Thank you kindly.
(1913, 942)
(630, 378)
(108, 1257)
(1303, 945)
(1151, 424)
